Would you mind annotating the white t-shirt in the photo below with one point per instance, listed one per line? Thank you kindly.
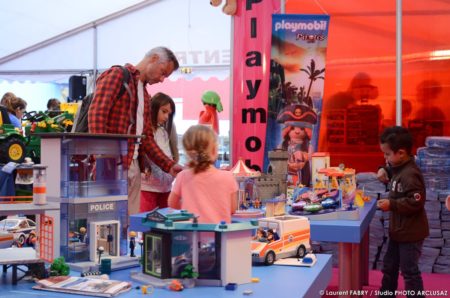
(158, 181)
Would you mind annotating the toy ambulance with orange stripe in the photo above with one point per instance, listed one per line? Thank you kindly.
(291, 238)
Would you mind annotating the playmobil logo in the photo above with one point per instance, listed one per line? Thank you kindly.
(101, 207)
(294, 26)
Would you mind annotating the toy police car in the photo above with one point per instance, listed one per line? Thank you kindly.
(20, 227)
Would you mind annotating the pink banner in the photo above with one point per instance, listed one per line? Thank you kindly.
(251, 69)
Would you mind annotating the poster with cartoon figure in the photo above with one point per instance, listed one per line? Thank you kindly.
(297, 73)
(297, 121)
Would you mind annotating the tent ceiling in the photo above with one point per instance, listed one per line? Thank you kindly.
(29, 22)
(359, 30)
(50, 40)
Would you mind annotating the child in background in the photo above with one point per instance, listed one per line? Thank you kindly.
(202, 189)
(16, 108)
(408, 223)
(155, 183)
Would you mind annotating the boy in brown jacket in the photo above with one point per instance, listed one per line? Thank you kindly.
(408, 223)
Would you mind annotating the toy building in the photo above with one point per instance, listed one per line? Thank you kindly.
(220, 253)
(273, 183)
(92, 193)
(278, 167)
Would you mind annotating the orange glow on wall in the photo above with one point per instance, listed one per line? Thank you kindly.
(360, 72)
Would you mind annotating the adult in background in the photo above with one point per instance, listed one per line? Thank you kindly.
(109, 114)
(53, 107)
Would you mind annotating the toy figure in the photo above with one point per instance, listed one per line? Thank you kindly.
(261, 235)
(211, 101)
(82, 235)
(31, 240)
(132, 243)
(100, 251)
(229, 8)
(270, 237)
(175, 285)
(319, 184)
(257, 203)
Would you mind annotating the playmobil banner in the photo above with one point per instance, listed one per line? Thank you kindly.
(297, 72)
(251, 61)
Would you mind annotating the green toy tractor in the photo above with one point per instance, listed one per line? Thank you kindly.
(12, 143)
(15, 147)
(41, 122)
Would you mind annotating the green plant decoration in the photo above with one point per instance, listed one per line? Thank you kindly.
(59, 267)
(189, 272)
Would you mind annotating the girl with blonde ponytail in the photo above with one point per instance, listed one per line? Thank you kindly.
(202, 189)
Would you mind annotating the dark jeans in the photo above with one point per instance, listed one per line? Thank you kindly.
(403, 256)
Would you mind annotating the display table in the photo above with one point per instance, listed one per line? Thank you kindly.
(353, 240)
(15, 257)
(275, 281)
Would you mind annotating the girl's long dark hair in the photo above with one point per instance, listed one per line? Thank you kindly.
(158, 100)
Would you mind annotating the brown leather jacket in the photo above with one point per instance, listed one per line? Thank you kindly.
(407, 221)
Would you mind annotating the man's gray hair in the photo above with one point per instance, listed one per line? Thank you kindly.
(165, 55)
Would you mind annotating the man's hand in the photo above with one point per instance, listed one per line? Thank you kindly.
(383, 204)
(175, 170)
(382, 175)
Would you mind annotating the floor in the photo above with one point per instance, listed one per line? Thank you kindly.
(437, 285)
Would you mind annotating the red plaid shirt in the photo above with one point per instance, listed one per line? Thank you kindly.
(109, 114)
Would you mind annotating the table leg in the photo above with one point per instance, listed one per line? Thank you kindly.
(345, 268)
(365, 258)
(5, 268)
(14, 275)
(356, 267)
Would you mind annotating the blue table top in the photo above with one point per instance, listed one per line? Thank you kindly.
(275, 281)
(344, 230)
(339, 230)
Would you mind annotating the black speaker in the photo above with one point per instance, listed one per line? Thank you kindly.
(77, 88)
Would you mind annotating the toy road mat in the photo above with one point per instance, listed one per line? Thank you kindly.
(83, 286)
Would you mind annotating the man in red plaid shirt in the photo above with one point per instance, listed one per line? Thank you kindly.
(125, 115)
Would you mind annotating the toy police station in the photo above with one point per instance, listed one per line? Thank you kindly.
(92, 193)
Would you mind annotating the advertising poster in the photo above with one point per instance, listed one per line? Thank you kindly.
(251, 65)
(296, 84)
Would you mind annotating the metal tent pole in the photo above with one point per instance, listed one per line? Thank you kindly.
(398, 64)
